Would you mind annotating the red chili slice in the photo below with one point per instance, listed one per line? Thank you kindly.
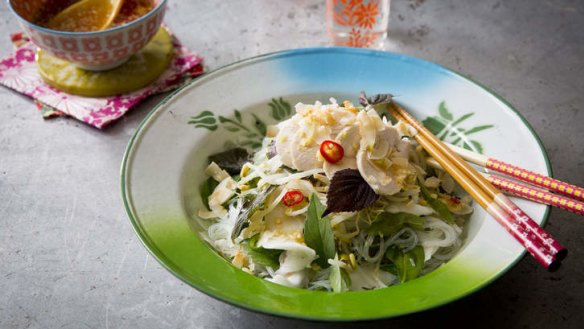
(331, 151)
(292, 198)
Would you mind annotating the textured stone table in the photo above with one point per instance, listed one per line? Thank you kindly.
(70, 259)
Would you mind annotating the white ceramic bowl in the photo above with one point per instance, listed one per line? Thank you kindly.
(163, 168)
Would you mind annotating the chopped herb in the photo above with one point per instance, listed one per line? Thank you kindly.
(391, 268)
(348, 191)
(409, 264)
(290, 170)
(387, 224)
(249, 208)
(318, 233)
(206, 189)
(253, 183)
(262, 256)
(439, 207)
(231, 160)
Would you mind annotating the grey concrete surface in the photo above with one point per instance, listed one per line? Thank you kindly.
(69, 258)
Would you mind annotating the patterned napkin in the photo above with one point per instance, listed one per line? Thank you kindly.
(19, 72)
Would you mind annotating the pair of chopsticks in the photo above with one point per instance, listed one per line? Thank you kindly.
(528, 233)
(572, 201)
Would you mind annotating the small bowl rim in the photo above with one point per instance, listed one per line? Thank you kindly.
(90, 33)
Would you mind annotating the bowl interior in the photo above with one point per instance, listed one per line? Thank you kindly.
(164, 165)
(228, 135)
(38, 12)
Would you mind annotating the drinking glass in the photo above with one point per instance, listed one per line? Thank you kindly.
(357, 23)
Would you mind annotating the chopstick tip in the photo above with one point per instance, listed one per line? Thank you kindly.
(554, 266)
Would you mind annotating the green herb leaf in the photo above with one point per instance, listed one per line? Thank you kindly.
(408, 265)
(439, 207)
(387, 224)
(349, 191)
(206, 188)
(262, 256)
(339, 278)
(318, 233)
(249, 208)
(391, 268)
(231, 160)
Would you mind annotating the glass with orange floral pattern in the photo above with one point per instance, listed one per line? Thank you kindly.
(357, 23)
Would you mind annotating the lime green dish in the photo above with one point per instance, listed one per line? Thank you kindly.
(140, 70)
(164, 163)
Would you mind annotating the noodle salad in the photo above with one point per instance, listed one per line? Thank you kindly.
(338, 198)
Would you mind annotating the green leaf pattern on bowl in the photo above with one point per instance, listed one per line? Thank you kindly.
(249, 129)
(446, 127)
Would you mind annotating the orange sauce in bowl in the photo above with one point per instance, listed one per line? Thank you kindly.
(132, 10)
(86, 19)
(91, 17)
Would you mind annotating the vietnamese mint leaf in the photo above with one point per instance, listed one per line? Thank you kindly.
(318, 233)
(231, 160)
(250, 206)
(262, 256)
(438, 206)
(206, 189)
(349, 191)
(408, 265)
(388, 224)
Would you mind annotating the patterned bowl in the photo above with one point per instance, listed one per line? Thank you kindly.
(99, 50)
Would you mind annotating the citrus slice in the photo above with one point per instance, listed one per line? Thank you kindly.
(86, 16)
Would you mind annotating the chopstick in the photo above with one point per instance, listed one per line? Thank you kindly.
(536, 194)
(534, 239)
(528, 192)
(525, 175)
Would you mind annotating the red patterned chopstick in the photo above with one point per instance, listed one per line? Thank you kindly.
(536, 194)
(525, 175)
(531, 177)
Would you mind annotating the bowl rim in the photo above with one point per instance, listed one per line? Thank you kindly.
(161, 258)
(79, 34)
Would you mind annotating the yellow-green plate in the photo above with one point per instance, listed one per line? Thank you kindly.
(141, 69)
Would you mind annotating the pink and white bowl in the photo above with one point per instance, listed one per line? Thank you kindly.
(96, 51)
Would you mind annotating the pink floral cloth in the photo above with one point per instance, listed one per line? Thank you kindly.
(18, 72)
